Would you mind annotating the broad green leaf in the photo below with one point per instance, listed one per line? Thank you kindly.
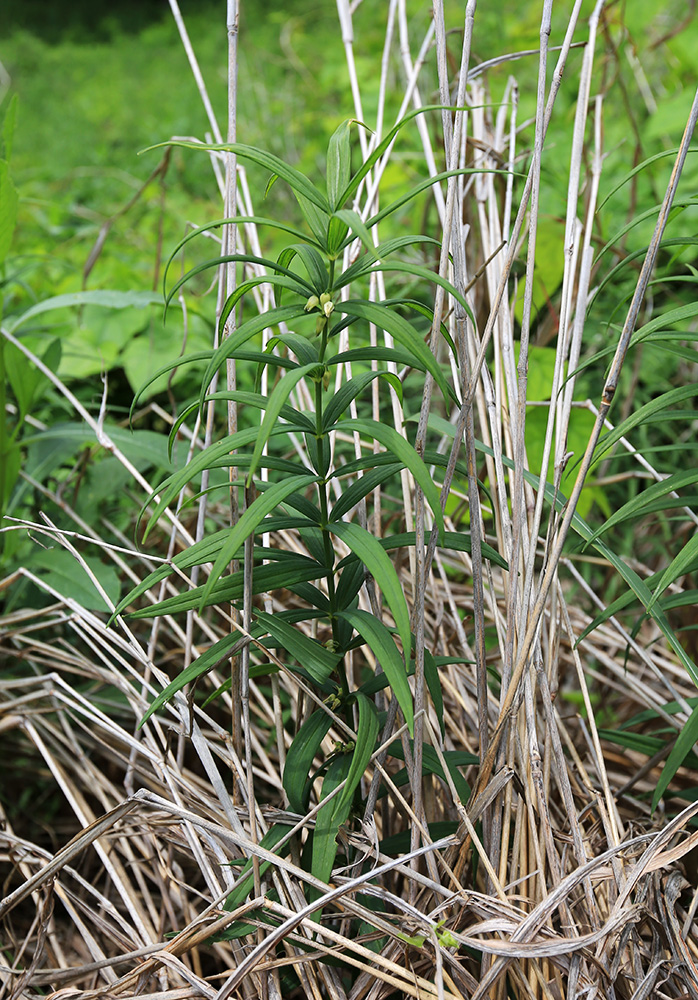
(299, 760)
(386, 652)
(377, 562)
(62, 571)
(105, 299)
(318, 661)
(8, 128)
(256, 512)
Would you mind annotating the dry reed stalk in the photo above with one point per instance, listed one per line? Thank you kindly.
(581, 893)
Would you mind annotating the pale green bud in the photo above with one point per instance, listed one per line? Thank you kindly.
(312, 303)
(325, 298)
(328, 308)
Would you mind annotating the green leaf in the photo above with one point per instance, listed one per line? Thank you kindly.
(246, 332)
(318, 661)
(682, 748)
(432, 765)
(273, 576)
(313, 263)
(105, 299)
(431, 675)
(638, 505)
(377, 562)
(299, 760)
(207, 661)
(365, 745)
(9, 202)
(402, 331)
(350, 390)
(640, 416)
(361, 488)
(338, 163)
(256, 512)
(386, 652)
(8, 127)
(245, 883)
(275, 404)
(61, 570)
(329, 818)
(677, 567)
(297, 181)
(398, 446)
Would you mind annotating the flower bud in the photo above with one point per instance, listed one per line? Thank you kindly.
(325, 298)
(320, 324)
(312, 303)
(328, 308)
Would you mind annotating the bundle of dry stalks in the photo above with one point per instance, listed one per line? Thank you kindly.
(559, 881)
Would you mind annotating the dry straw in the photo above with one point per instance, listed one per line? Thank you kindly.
(558, 882)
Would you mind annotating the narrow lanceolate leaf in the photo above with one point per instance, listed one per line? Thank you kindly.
(318, 661)
(386, 652)
(377, 562)
(206, 459)
(246, 332)
(245, 883)
(338, 163)
(274, 406)
(405, 453)
(297, 181)
(271, 576)
(313, 262)
(329, 819)
(207, 661)
(639, 504)
(678, 566)
(256, 512)
(662, 402)
(350, 390)
(402, 331)
(684, 744)
(300, 757)
(365, 744)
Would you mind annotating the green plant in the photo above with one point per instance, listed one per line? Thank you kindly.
(313, 405)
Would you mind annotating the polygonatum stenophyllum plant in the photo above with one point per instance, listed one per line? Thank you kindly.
(315, 301)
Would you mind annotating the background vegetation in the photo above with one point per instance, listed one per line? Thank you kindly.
(601, 747)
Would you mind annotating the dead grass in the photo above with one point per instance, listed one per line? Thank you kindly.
(121, 845)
